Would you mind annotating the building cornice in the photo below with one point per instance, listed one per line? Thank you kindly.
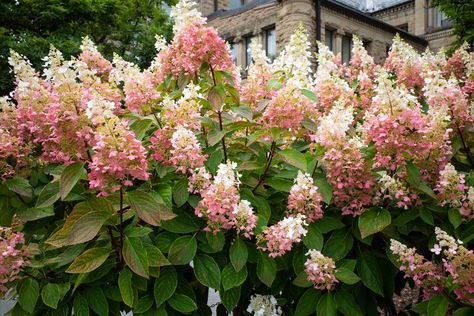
(338, 7)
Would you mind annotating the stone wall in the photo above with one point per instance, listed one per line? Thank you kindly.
(399, 15)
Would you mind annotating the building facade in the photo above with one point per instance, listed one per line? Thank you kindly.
(271, 23)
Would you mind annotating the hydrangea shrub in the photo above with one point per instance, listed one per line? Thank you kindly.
(348, 191)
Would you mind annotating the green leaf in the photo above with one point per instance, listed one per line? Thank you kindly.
(183, 223)
(244, 111)
(139, 127)
(307, 303)
(125, 286)
(426, 216)
(339, 244)
(370, 272)
(438, 305)
(273, 84)
(97, 301)
(33, 214)
(326, 305)
(51, 295)
(414, 175)
(373, 221)
(165, 285)
(155, 256)
(301, 280)
(70, 176)
(314, 238)
(215, 136)
(214, 160)
(309, 94)
(455, 217)
(81, 308)
(144, 304)
(464, 311)
(87, 227)
(324, 188)
(135, 257)
(180, 192)
(230, 298)
(20, 186)
(232, 278)
(347, 276)
(266, 269)
(279, 184)
(48, 195)
(182, 303)
(28, 294)
(238, 254)
(147, 207)
(207, 271)
(90, 260)
(346, 303)
(327, 224)
(294, 158)
(182, 250)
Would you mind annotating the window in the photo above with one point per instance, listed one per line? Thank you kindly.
(403, 27)
(233, 51)
(329, 39)
(442, 19)
(346, 48)
(248, 53)
(233, 4)
(270, 44)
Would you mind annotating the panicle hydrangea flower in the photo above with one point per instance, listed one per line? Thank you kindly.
(161, 144)
(258, 74)
(451, 187)
(138, 86)
(99, 110)
(423, 272)
(294, 60)
(221, 205)
(396, 190)
(279, 238)
(245, 219)
(328, 84)
(351, 179)
(320, 270)
(285, 110)
(12, 257)
(95, 61)
(56, 70)
(458, 263)
(333, 127)
(192, 46)
(186, 152)
(199, 180)
(264, 305)
(468, 206)
(185, 14)
(186, 111)
(118, 157)
(304, 197)
(406, 63)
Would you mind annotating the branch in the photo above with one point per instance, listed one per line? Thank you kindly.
(267, 167)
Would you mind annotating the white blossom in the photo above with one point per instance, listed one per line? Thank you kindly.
(264, 305)
(98, 109)
(186, 14)
(226, 175)
(294, 226)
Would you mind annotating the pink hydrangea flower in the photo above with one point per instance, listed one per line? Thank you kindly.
(12, 257)
(304, 198)
(320, 270)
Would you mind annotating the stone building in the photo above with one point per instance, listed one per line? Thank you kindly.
(271, 22)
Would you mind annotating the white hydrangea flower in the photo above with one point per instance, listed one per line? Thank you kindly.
(183, 138)
(446, 241)
(294, 226)
(98, 109)
(226, 175)
(335, 125)
(264, 305)
(295, 58)
(186, 14)
(56, 70)
(88, 45)
(26, 77)
(243, 209)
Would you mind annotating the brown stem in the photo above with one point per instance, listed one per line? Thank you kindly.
(156, 118)
(466, 149)
(213, 76)
(204, 132)
(267, 167)
(219, 113)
